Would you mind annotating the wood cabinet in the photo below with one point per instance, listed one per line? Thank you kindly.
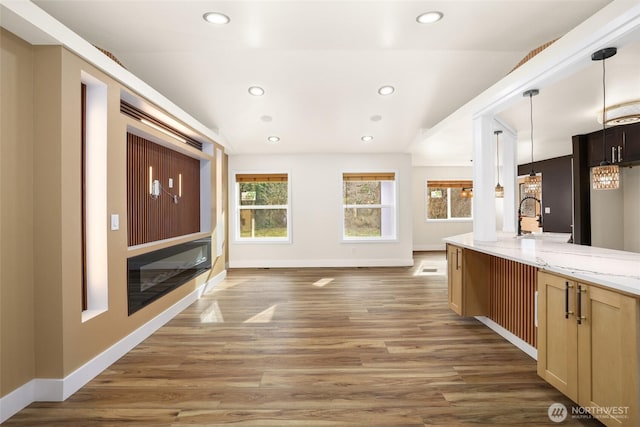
(588, 347)
(468, 277)
(625, 140)
(631, 144)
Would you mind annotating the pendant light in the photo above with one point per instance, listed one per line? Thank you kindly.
(605, 176)
(499, 188)
(533, 182)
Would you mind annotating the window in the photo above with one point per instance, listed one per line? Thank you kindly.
(262, 207)
(449, 200)
(369, 206)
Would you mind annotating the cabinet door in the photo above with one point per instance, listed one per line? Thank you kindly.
(454, 270)
(631, 143)
(600, 149)
(608, 354)
(557, 333)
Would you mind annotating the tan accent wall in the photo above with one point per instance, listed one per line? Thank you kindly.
(16, 213)
(43, 335)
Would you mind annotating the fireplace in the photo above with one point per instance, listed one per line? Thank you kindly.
(157, 273)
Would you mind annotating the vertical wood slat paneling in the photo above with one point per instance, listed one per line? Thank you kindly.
(150, 219)
(512, 287)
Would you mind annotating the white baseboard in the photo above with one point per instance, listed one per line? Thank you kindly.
(327, 263)
(430, 247)
(57, 390)
(521, 344)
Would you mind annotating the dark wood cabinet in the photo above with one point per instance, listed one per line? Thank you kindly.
(631, 144)
(624, 140)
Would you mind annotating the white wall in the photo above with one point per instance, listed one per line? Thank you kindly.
(316, 212)
(614, 214)
(631, 189)
(428, 235)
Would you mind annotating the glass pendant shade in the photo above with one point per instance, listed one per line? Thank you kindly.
(533, 182)
(605, 177)
(532, 185)
(499, 191)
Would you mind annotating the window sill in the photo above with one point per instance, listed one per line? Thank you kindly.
(263, 241)
(369, 240)
(449, 220)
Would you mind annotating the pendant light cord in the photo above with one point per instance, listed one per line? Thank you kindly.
(531, 117)
(498, 158)
(604, 106)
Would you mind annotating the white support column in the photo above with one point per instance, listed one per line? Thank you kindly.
(484, 179)
(509, 156)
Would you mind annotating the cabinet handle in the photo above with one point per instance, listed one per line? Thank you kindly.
(619, 153)
(567, 286)
(580, 317)
(613, 154)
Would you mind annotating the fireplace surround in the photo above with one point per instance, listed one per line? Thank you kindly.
(154, 274)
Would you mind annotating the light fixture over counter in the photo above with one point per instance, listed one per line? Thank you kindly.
(533, 182)
(605, 176)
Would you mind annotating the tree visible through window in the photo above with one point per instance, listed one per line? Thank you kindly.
(445, 200)
(263, 206)
(369, 205)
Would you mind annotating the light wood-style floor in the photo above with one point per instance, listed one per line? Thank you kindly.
(316, 347)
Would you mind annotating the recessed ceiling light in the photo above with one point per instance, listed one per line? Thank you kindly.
(216, 18)
(429, 17)
(367, 138)
(273, 139)
(376, 118)
(256, 91)
(266, 118)
(386, 90)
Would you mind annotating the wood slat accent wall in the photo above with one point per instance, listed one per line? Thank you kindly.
(511, 297)
(149, 219)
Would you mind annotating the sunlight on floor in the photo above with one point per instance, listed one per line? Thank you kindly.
(322, 282)
(264, 316)
(225, 284)
(212, 314)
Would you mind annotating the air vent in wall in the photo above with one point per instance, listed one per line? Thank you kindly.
(136, 113)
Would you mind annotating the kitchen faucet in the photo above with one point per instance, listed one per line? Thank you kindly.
(520, 213)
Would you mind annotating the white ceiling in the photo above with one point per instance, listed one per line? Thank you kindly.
(321, 63)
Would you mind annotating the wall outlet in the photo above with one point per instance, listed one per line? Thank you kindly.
(547, 210)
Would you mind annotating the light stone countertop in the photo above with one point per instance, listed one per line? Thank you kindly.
(610, 268)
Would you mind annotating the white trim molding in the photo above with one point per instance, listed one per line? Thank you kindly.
(521, 344)
(429, 247)
(59, 389)
(324, 263)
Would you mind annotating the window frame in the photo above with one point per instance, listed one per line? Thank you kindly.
(393, 237)
(238, 208)
(456, 183)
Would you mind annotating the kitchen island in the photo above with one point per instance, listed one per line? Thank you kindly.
(576, 309)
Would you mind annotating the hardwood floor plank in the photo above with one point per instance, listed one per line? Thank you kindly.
(315, 347)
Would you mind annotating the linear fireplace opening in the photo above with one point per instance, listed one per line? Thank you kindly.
(157, 273)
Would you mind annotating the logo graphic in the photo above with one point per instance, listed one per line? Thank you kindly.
(557, 412)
